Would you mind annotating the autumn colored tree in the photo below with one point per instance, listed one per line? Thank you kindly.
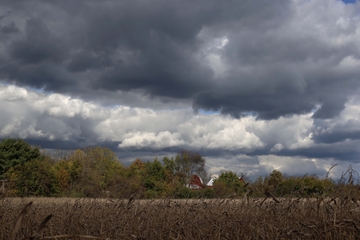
(137, 168)
(228, 183)
(88, 172)
(272, 181)
(169, 166)
(36, 178)
(68, 171)
(97, 172)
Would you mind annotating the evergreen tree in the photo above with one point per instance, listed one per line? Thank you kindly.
(16, 152)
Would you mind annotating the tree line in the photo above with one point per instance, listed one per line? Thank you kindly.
(97, 172)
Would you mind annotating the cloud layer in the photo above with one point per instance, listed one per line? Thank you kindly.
(271, 59)
(58, 121)
(237, 80)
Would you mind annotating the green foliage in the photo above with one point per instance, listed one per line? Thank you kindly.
(289, 187)
(96, 172)
(137, 168)
(183, 192)
(272, 182)
(126, 187)
(228, 183)
(190, 163)
(221, 190)
(208, 193)
(14, 153)
(155, 170)
(99, 168)
(275, 178)
(155, 189)
(313, 186)
(169, 164)
(183, 166)
(258, 188)
(36, 178)
(68, 171)
(155, 180)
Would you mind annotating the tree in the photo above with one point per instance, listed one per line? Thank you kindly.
(185, 164)
(275, 178)
(16, 152)
(137, 167)
(230, 181)
(156, 181)
(36, 178)
(289, 186)
(190, 162)
(313, 186)
(258, 187)
(273, 181)
(68, 170)
(155, 170)
(89, 172)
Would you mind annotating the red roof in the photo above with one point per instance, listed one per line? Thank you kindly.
(195, 182)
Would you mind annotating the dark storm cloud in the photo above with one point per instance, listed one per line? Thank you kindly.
(341, 151)
(276, 62)
(84, 60)
(337, 136)
(38, 45)
(336, 132)
(8, 29)
(78, 46)
(47, 76)
(265, 106)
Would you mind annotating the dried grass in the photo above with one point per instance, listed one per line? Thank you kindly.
(281, 218)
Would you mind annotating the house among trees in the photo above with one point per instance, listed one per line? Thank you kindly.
(25, 171)
(197, 183)
(211, 181)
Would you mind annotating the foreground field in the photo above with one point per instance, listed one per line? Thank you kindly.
(180, 219)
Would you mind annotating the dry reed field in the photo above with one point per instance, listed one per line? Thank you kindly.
(64, 218)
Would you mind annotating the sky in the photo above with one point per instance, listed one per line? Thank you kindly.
(253, 86)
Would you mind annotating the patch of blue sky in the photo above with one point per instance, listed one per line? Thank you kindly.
(349, 1)
(208, 112)
(243, 114)
(249, 113)
(39, 90)
(317, 107)
(111, 106)
(5, 83)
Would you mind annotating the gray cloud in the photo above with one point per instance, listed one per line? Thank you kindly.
(55, 121)
(9, 28)
(38, 45)
(158, 48)
(283, 76)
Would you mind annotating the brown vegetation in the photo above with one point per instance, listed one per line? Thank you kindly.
(287, 218)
